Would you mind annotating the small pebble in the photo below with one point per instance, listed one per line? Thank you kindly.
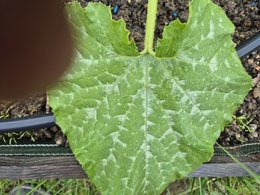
(250, 61)
(251, 106)
(59, 141)
(255, 134)
(115, 10)
(256, 79)
(256, 92)
(54, 129)
(253, 127)
(238, 135)
(47, 133)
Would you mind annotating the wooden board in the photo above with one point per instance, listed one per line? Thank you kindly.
(40, 167)
(225, 170)
(18, 167)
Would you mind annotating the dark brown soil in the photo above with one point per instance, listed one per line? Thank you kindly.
(246, 125)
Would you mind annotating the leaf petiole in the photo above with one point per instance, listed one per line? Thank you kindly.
(150, 27)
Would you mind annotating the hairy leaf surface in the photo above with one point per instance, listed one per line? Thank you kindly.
(138, 122)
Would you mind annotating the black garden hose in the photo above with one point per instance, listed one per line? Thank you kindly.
(249, 45)
(27, 123)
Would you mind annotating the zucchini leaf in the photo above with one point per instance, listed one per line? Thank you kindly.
(137, 122)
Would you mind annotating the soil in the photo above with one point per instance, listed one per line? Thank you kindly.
(245, 127)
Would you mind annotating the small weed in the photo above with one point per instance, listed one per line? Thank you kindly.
(243, 122)
(201, 186)
(13, 138)
(5, 113)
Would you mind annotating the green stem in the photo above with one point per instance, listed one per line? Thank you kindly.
(150, 26)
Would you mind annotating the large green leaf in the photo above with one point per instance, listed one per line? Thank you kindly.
(138, 122)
